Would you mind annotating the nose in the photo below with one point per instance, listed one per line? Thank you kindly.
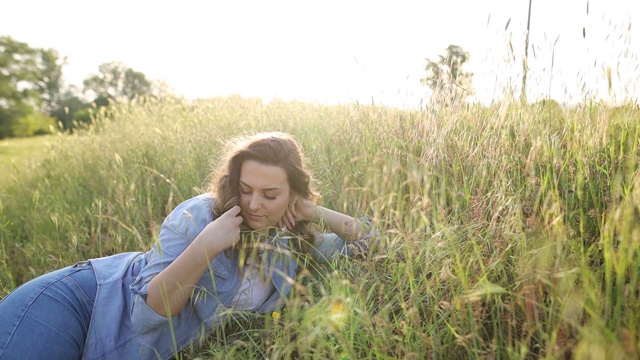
(254, 202)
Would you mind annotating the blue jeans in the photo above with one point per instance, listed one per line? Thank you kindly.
(48, 317)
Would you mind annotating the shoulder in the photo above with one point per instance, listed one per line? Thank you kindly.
(191, 216)
(200, 203)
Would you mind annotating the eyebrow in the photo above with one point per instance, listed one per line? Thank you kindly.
(268, 189)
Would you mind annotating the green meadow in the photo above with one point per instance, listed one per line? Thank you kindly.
(506, 232)
(19, 155)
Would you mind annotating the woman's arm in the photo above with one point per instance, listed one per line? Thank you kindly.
(169, 290)
(345, 226)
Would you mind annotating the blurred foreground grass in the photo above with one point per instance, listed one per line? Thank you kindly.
(507, 232)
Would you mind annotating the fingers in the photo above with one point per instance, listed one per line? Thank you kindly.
(224, 231)
(234, 211)
(234, 215)
(288, 220)
(285, 222)
(291, 221)
(292, 207)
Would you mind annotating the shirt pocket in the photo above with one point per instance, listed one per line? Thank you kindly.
(213, 284)
(218, 269)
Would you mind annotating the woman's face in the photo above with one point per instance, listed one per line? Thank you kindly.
(264, 194)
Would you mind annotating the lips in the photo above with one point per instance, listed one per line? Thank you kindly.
(255, 217)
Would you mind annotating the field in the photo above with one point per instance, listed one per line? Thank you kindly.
(507, 232)
(21, 154)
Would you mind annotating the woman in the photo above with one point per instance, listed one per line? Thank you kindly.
(229, 249)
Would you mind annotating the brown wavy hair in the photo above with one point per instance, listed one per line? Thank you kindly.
(269, 148)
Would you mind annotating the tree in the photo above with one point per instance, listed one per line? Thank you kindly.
(446, 77)
(51, 83)
(30, 83)
(70, 109)
(115, 81)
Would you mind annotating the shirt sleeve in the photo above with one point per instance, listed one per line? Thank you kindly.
(328, 246)
(177, 232)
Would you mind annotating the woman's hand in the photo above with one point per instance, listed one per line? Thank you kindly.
(222, 233)
(299, 210)
(304, 209)
(345, 226)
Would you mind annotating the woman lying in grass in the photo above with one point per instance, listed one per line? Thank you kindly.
(229, 249)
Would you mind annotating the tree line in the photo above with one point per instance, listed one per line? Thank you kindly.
(35, 100)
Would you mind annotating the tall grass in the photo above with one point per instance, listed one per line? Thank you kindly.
(507, 232)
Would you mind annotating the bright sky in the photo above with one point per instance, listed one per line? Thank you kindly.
(338, 51)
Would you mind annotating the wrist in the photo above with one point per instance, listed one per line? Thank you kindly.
(316, 214)
(210, 249)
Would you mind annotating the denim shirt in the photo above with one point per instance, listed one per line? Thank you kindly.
(123, 326)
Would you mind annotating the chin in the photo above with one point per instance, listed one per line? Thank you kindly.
(255, 225)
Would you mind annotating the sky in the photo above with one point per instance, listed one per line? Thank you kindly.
(341, 51)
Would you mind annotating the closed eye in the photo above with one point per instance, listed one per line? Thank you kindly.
(248, 192)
